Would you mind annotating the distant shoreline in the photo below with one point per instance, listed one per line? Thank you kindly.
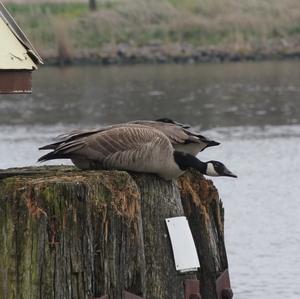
(160, 31)
(124, 55)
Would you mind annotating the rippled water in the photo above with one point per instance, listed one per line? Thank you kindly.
(210, 95)
(262, 209)
(252, 108)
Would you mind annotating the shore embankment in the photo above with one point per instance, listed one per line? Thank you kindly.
(160, 31)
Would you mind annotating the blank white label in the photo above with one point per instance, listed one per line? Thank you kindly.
(184, 249)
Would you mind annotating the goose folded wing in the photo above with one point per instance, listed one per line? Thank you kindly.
(178, 135)
(70, 136)
(119, 147)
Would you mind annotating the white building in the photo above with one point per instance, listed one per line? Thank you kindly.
(18, 58)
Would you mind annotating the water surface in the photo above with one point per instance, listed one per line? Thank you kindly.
(209, 95)
(252, 108)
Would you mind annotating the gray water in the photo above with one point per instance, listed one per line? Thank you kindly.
(252, 108)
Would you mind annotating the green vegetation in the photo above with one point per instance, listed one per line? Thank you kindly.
(62, 9)
(225, 25)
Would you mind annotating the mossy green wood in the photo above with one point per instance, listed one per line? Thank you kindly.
(72, 234)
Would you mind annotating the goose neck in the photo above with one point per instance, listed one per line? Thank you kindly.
(185, 161)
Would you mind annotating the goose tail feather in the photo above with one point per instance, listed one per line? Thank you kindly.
(50, 146)
(212, 143)
(53, 156)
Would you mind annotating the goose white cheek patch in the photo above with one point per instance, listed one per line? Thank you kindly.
(211, 170)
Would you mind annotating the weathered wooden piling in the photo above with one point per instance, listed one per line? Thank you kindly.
(66, 233)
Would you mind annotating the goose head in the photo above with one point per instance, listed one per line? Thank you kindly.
(216, 168)
(210, 168)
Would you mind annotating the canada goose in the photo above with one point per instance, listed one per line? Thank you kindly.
(181, 138)
(174, 122)
(132, 147)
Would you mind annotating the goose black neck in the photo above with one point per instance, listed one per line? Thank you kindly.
(185, 161)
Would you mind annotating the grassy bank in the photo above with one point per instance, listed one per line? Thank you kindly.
(161, 30)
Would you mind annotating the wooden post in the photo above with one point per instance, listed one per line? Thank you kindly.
(75, 234)
(205, 214)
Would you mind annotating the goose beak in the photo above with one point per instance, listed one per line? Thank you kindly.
(227, 172)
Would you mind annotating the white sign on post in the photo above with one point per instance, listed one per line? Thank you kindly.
(184, 249)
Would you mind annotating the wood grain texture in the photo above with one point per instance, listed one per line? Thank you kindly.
(75, 234)
(205, 214)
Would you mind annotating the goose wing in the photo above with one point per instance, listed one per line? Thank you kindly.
(171, 121)
(130, 147)
(181, 138)
(175, 133)
(71, 136)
